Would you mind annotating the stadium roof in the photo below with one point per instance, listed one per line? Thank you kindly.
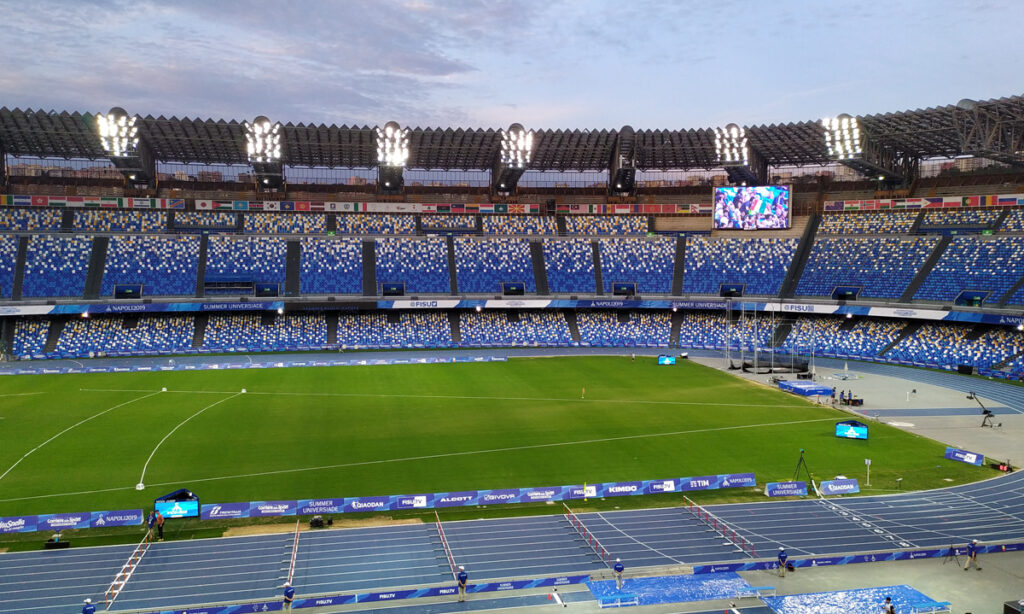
(993, 128)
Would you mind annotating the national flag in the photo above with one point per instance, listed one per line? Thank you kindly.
(1004, 201)
(501, 208)
(316, 206)
(472, 207)
(5, 199)
(91, 202)
(255, 205)
(458, 208)
(175, 203)
(75, 201)
(851, 205)
(287, 205)
(302, 205)
(110, 202)
(533, 208)
(203, 205)
(428, 208)
(239, 205)
(517, 208)
(487, 208)
(623, 208)
(971, 201)
(40, 201)
(56, 202)
(445, 208)
(931, 203)
(579, 208)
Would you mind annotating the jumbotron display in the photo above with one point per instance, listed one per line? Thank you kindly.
(753, 208)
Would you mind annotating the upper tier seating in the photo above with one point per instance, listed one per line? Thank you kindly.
(1014, 221)
(205, 219)
(103, 335)
(165, 266)
(883, 265)
(484, 264)
(497, 224)
(244, 331)
(867, 223)
(8, 258)
(374, 330)
(1017, 298)
(331, 265)
(605, 224)
(256, 259)
(644, 329)
(946, 345)
(15, 219)
(489, 328)
(960, 217)
(56, 266)
(113, 220)
(285, 223)
(421, 264)
(975, 263)
(29, 336)
(761, 264)
(570, 265)
(648, 262)
(448, 222)
(366, 224)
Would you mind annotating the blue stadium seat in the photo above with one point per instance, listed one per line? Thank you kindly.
(647, 262)
(497, 329)
(255, 259)
(606, 225)
(18, 219)
(331, 265)
(643, 329)
(497, 224)
(867, 223)
(285, 223)
(56, 266)
(8, 258)
(239, 332)
(109, 335)
(484, 264)
(421, 264)
(114, 220)
(165, 266)
(430, 329)
(883, 265)
(570, 265)
(991, 264)
(761, 264)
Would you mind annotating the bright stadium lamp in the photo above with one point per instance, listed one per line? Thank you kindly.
(392, 156)
(731, 146)
(119, 136)
(842, 137)
(263, 147)
(513, 158)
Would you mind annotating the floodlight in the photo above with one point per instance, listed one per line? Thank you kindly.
(516, 146)
(842, 137)
(731, 146)
(263, 141)
(392, 145)
(118, 133)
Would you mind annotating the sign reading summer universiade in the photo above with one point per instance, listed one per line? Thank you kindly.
(350, 505)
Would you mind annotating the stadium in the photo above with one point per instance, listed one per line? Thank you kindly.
(354, 361)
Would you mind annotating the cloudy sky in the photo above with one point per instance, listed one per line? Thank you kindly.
(488, 63)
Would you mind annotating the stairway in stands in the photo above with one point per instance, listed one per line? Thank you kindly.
(53, 335)
(598, 279)
(926, 268)
(453, 280)
(680, 267)
(369, 267)
(199, 334)
(782, 331)
(292, 268)
(453, 322)
(909, 328)
(97, 262)
(19, 269)
(540, 273)
(800, 257)
(204, 245)
(574, 326)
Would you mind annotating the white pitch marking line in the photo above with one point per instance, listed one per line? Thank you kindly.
(180, 424)
(457, 397)
(25, 394)
(83, 421)
(426, 457)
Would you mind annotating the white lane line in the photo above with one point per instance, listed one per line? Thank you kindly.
(424, 457)
(637, 541)
(142, 478)
(22, 394)
(458, 397)
(80, 422)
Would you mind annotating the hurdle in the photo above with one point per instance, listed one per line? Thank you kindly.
(447, 548)
(718, 525)
(127, 570)
(587, 536)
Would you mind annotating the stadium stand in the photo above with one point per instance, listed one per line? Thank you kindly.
(204, 219)
(380, 330)
(884, 266)
(1014, 221)
(761, 264)
(868, 223)
(822, 336)
(606, 329)
(165, 266)
(448, 222)
(975, 263)
(29, 336)
(256, 259)
(484, 264)
(380, 224)
(1017, 298)
(648, 262)
(750, 332)
(245, 331)
(56, 266)
(605, 224)
(421, 264)
(498, 224)
(570, 265)
(961, 217)
(112, 335)
(331, 265)
(530, 328)
(285, 223)
(702, 330)
(107, 220)
(949, 345)
(8, 260)
(42, 220)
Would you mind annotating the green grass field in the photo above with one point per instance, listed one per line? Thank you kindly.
(355, 431)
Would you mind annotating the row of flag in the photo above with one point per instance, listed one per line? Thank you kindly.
(990, 200)
(103, 202)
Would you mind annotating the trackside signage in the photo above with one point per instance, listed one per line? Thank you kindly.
(786, 489)
(971, 458)
(349, 505)
(839, 487)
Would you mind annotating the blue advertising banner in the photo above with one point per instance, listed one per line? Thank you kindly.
(272, 508)
(309, 507)
(116, 518)
(786, 489)
(18, 524)
(971, 458)
(839, 487)
(218, 511)
(60, 522)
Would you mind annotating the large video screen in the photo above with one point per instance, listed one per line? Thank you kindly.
(177, 509)
(756, 208)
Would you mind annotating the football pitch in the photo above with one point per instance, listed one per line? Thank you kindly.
(72, 443)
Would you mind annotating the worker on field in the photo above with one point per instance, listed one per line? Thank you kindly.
(618, 569)
(782, 561)
(463, 577)
(289, 596)
(972, 555)
(159, 525)
(88, 608)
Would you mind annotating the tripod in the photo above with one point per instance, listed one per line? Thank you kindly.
(951, 555)
(802, 463)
